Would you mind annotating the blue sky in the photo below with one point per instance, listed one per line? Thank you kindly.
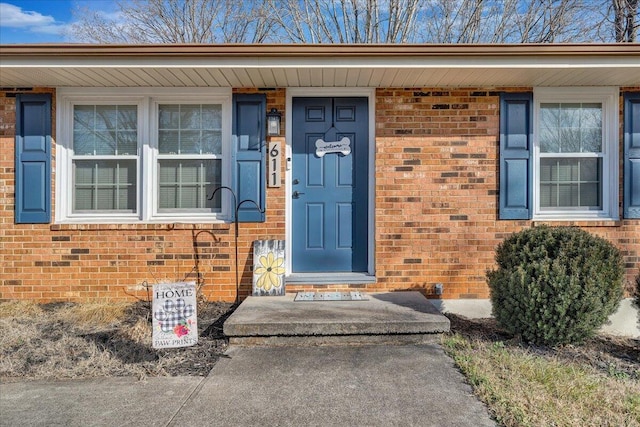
(42, 21)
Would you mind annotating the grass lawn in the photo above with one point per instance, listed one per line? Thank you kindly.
(596, 384)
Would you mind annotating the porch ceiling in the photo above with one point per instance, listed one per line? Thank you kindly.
(320, 65)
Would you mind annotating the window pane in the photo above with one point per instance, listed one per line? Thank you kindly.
(549, 126)
(127, 143)
(186, 184)
(547, 195)
(211, 142)
(590, 170)
(83, 117)
(570, 128)
(83, 142)
(105, 142)
(570, 183)
(169, 117)
(590, 194)
(105, 130)
(83, 125)
(104, 185)
(83, 199)
(190, 129)
(106, 117)
(190, 142)
(591, 140)
(591, 128)
(567, 195)
(106, 199)
(169, 142)
(168, 188)
(190, 117)
(212, 117)
(127, 117)
(546, 172)
(211, 129)
(105, 173)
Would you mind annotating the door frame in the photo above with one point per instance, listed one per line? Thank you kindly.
(330, 92)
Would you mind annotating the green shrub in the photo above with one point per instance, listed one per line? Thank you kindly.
(555, 285)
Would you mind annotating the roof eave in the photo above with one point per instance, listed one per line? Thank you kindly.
(319, 50)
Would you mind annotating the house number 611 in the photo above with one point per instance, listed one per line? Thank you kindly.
(274, 164)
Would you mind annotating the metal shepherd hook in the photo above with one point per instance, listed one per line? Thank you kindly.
(237, 209)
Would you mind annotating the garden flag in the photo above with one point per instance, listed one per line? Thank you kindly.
(175, 319)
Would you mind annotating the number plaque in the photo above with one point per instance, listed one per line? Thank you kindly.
(274, 160)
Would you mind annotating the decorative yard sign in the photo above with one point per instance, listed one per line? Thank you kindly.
(175, 318)
(343, 146)
(268, 267)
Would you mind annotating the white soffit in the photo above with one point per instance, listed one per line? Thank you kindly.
(320, 65)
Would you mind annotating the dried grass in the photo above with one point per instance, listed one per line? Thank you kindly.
(65, 340)
(19, 309)
(140, 332)
(93, 314)
(539, 386)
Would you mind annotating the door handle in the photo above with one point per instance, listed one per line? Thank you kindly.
(296, 194)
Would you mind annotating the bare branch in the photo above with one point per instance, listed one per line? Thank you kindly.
(176, 21)
(361, 21)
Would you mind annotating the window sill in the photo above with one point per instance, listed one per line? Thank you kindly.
(578, 223)
(140, 226)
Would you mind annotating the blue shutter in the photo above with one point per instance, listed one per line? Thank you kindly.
(516, 139)
(632, 155)
(249, 152)
(33, 159)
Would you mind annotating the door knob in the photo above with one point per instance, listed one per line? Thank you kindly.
(296, 194)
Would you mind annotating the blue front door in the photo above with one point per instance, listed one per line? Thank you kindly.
(330, 185)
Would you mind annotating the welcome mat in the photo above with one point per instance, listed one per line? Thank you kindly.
(331, 296)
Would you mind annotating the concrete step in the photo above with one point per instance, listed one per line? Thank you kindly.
(384, 318)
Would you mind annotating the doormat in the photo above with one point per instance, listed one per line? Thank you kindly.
(331, 296)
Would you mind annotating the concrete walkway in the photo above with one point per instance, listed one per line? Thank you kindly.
(375, 385)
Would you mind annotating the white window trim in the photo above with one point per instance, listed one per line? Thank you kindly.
(147, 100)
(608, 96)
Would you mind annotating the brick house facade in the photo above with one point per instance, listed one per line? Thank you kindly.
(435, 203)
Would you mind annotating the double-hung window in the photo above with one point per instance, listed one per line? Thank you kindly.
(575, 153)
(142, 156)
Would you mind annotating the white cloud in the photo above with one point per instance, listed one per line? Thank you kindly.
(12, 16)
(15, 17)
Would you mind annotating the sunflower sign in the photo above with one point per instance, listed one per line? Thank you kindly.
(175, 320)
(268, 267)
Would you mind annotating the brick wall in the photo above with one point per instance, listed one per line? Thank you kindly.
(436, 172)
(91, 261)
(436, 197)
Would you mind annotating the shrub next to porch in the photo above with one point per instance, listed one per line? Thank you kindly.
(555, 285)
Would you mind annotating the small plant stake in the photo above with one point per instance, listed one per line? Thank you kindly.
(175, 317)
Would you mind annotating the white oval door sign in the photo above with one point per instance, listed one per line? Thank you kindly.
(343, 146)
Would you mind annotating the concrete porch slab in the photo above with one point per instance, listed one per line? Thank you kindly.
(394, 317)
